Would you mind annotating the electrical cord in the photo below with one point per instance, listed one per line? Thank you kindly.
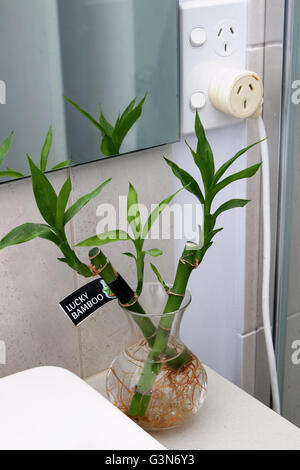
(267, 266)
(229, 92)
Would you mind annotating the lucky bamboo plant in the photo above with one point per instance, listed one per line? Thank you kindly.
(53, 209)
(193, 253)
(113, 136)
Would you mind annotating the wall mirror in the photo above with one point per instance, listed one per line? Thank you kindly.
(100, 54)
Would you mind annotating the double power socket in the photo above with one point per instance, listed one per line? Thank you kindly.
(214, 79)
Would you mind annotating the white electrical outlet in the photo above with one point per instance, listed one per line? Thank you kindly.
(226, 38)
(238, 93)
(213, 35)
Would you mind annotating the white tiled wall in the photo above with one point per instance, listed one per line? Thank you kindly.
(266, 19)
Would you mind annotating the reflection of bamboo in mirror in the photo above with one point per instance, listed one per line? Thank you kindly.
(4, 149)
(113, 136)
(9, 172)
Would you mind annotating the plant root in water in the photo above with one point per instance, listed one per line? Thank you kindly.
(176, 395)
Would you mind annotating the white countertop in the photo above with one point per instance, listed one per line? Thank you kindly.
(230, 420)
(49, 408)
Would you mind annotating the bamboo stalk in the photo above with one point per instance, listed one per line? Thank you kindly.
(103, 267)
(141, 398)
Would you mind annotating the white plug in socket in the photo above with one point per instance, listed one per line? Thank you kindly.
(238, 93)
(213, 36)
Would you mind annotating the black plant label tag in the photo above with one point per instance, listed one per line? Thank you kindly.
(86, 300)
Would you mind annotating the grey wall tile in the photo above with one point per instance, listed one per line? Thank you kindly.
(274, 20)
(255, 60)
(248, 345)
(255, 371)
(256, 22)
(262, 376)
(256, 64)
(272, 76)
(272, 81)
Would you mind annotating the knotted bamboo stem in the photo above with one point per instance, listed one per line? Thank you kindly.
(141, 398)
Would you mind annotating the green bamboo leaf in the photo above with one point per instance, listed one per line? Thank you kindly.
(122, 119)
(17, 173)
(83, 201)
(155, 252)
(80, 268)
(61, 165)
(186, 180)
(46, 150)
(118, 120)
(12, 173)
(203, 167)
(105, 238)
(62, 202)
(129, 108)
(45, 196)
(87, 115)
(108, 128)
(24, 233)
(108, 148)
(227, 164)
(126, 122)
(5, 147)
(156, 213)
(233, 204)
(51, 237)
(130, 255)
(213, 234)
(133, 213)
(247, 173)
(159, 277)
(204, 151)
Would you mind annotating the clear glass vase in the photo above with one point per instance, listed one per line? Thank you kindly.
(178, 379)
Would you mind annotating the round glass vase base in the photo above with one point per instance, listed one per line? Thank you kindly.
(175, 396)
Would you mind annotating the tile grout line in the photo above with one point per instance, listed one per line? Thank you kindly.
(293, 315)
(251, 333)
(250, 47)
